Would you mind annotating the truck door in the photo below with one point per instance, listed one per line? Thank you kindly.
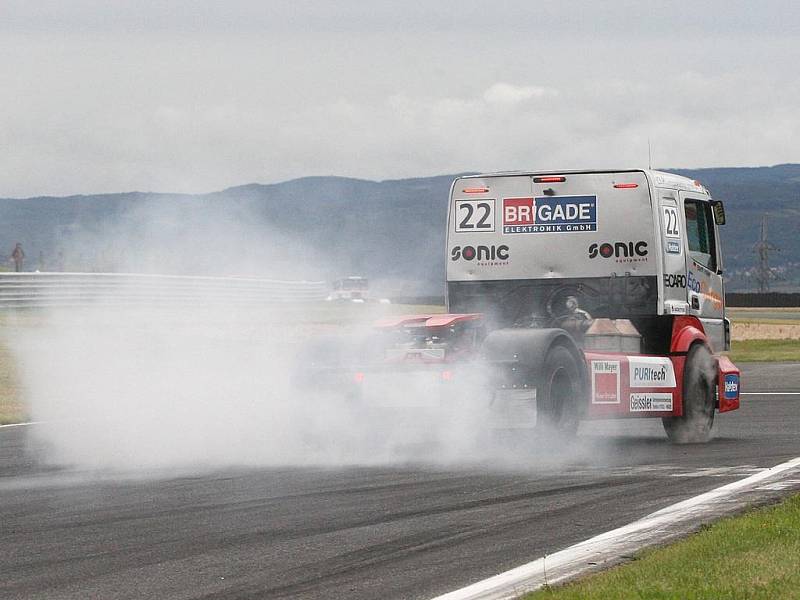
(704, 287)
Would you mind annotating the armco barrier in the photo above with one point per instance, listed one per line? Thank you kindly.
(771, 299)
(24, 290)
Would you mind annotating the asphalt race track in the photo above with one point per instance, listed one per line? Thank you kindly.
(399, 532)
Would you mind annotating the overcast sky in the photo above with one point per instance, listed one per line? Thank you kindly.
(195, 96)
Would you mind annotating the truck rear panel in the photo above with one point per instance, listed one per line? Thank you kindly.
(514, 239)
(570, 226)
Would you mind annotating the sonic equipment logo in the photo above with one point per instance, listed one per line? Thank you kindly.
(550, 215)
(622, 251)
(484, 255)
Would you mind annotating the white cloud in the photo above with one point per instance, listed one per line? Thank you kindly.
(86, 109)
(505, 93)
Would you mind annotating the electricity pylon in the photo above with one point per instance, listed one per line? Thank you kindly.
(764, 272)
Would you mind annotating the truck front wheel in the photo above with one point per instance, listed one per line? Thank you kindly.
(698, 400)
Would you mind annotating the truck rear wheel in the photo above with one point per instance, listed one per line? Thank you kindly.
(695, 425)
(560, 393)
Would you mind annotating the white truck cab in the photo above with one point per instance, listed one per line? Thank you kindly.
(630, 244)
(571, 295)
(622, 269)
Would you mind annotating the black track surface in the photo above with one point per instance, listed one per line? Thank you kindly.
(391, 532)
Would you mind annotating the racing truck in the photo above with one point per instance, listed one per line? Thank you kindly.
(573, 295)
(349, 289)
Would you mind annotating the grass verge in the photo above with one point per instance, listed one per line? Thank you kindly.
(756, 555)
(765, 350)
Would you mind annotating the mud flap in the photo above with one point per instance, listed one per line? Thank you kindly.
(728, 381)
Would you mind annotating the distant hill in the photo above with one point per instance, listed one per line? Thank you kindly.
(328, 227)
(749, 194)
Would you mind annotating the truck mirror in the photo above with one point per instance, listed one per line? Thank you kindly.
(719, 212)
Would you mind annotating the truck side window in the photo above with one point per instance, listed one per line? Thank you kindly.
(700, 233)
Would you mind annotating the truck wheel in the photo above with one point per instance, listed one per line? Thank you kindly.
(560, 393)
(694, 427)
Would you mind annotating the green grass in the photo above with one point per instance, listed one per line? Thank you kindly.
(753, 556)
(765, 350)
(784, 316)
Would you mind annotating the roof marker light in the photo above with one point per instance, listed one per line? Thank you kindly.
(624, 186)
(482, 190)
(549, 179)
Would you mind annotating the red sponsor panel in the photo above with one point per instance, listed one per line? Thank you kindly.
(619, 390)
(519, 211)
(605, 381)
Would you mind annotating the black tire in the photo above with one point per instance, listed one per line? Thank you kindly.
(560, 394)
(699, 375)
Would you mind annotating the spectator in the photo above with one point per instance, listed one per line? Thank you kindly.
(18, 255)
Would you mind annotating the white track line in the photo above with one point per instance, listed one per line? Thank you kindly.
(21, 424)
(769, 393)
(611, 546)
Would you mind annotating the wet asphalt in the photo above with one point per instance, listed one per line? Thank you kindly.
(403, 531)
